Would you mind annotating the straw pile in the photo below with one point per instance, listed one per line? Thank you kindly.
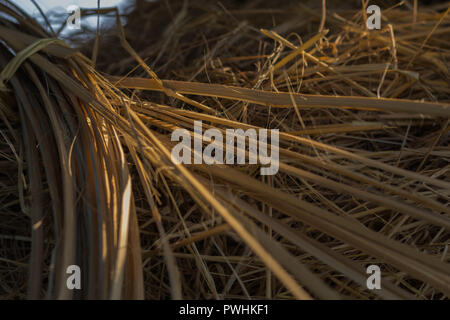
(86, 174)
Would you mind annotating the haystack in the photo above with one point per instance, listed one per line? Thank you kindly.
(87, 176)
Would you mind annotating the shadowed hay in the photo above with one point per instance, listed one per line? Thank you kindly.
(87, 177)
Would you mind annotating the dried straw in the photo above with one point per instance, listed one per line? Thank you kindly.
(87, 177)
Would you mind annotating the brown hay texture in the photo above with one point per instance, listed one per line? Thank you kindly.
(87, 176)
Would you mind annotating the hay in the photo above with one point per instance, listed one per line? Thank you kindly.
(87, 177)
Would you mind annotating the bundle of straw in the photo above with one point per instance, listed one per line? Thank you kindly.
(88, 179)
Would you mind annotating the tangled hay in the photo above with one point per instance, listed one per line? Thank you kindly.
(87, 178)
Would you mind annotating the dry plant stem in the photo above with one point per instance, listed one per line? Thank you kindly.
(282, 99)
